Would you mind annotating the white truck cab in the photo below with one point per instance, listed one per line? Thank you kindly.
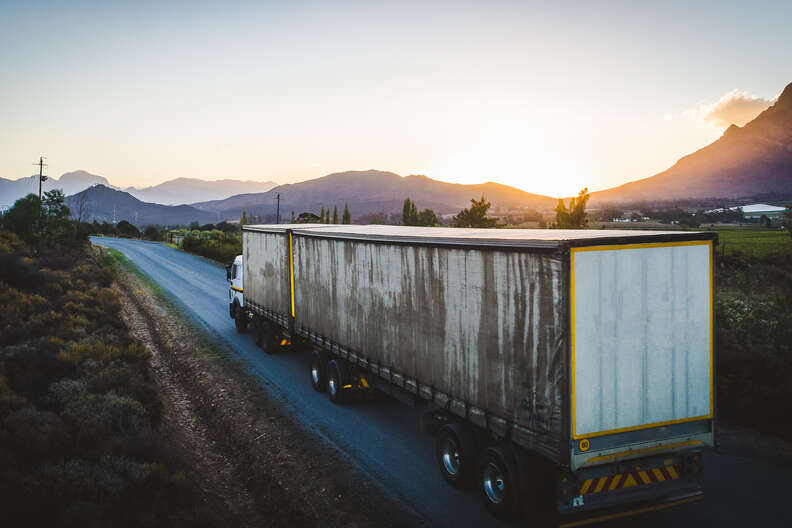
(236, 302)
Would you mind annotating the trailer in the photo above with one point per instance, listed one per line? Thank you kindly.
(567, 374)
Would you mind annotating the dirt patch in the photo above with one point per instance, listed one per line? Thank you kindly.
(253, 463)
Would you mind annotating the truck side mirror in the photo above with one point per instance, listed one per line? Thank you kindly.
(228, 272)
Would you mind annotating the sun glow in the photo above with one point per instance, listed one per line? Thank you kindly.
(517, 157)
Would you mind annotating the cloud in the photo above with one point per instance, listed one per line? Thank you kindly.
(734, 107)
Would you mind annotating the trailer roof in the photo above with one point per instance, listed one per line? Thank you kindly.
(538, 238)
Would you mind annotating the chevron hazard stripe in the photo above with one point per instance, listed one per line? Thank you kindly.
(636, 477)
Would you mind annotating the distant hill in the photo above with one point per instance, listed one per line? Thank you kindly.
(69, 183)
(103, 204)
(748, 162)
(189, 190)
(373, 191)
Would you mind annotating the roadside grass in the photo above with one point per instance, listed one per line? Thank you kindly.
(209, 346)
(121, 262)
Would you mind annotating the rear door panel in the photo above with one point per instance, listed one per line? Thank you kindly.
(642, 339)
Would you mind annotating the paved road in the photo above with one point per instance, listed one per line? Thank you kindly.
(745, 486)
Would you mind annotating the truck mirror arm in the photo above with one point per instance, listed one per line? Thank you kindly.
(228, 272)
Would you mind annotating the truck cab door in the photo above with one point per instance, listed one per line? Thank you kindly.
(236, 289)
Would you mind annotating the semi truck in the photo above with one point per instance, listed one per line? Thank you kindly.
(568, 375)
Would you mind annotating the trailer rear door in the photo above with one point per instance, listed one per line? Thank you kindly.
(641, 349)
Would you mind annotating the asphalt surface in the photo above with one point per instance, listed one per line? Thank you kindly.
(745, 484)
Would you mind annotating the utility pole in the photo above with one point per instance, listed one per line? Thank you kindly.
(41, 178)
(277, 211)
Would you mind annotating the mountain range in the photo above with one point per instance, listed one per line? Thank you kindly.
(373, 191)
(189, 190)
(69, 183)
(749, 162)
(177, 191)
(753, 161)
(103, 204)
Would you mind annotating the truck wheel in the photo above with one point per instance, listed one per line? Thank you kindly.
(318, 371)
(498, 482)
(454, 454)
(268, 338)
(241, 322)
(337, 378)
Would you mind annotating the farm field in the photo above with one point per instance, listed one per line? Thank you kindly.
(753, 241)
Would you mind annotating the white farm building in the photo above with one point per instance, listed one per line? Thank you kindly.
(757, 210)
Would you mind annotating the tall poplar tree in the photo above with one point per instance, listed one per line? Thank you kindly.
(347, 218)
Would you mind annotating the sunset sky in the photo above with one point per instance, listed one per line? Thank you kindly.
(538, 96)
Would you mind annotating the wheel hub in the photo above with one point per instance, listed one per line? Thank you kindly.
(494, 484)
(451, 457)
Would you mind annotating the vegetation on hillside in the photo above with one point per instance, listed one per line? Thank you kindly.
(754, 335)
(79, 413)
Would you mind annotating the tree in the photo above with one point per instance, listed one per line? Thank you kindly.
(409, 213)
(575, 216)
(151, 233)
(82, 212)
(786, 218)
(22, 217)
(307, 218)
(347, 218)
(291, 221)
(428, 218)
(322, 216)
(53, 205)
(335, 214)
(476, 216)
(244, 219)
(127, 229)
(226, 227)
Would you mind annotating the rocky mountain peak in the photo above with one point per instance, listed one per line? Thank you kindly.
(785, 99)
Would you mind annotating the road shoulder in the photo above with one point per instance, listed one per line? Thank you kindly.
(249, 458)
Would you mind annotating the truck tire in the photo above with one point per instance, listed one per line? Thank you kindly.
(337, 377)
(499, 482)
(319, 371)
(267, 335)
(455, 454)
(241, 321)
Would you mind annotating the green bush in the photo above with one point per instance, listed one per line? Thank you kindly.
(222, 248)
(79, 412)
